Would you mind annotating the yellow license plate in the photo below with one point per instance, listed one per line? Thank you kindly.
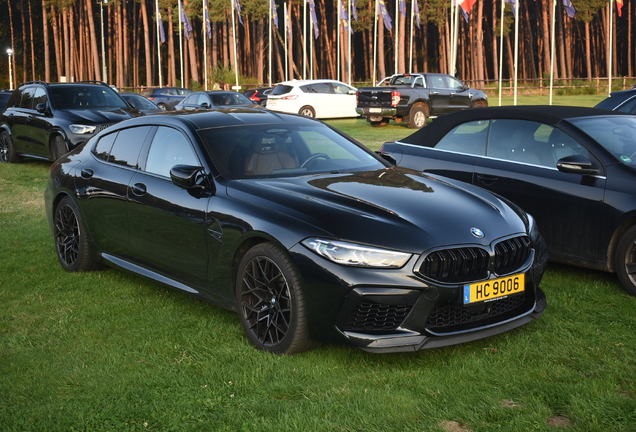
(494, 289)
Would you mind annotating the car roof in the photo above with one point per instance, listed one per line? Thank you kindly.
(304, 82)
(220, 118)
(548, 114)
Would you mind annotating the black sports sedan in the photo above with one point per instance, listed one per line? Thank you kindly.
(624, 101)
(572, 168)
(307, 234)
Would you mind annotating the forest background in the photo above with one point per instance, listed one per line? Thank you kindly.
(55, 40)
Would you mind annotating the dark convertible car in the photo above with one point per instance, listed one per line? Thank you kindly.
(307, 234)
(572, 168)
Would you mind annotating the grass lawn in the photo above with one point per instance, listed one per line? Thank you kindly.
(109, 351)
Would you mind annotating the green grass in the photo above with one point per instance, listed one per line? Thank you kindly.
(109, 351)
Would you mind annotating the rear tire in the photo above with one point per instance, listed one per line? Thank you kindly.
(480, 104)
(163, 106)
(417, 117)
(307, 111)
(7, 150)
(270, 302)
(625, 261)
(71, 239)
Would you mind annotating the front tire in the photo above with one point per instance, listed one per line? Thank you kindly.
(270, 302)
(307, 111)
(71, 239)
(58, 148)
(625, 261)
(7, 149)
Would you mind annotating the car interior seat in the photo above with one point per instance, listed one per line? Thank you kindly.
(265, 156)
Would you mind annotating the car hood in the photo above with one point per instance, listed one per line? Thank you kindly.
(394, 207)
(101, 116)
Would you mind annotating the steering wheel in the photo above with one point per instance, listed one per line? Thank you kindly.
(312, 157)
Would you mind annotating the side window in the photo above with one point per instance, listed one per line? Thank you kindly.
(126, 148)
(455, 83)
(104, 145)
(437, 81)
(169, 147)
(39, 98)
(531, 142)
(419, 82)
(340, 89)
(469, 138)
(27, 98)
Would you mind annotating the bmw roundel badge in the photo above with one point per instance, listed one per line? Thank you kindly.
(477, 232)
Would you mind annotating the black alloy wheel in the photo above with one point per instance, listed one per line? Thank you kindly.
(71, 242)
(626, 261)
(270, 302)
(7, 151)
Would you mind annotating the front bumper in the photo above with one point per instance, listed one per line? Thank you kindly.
(399, 310)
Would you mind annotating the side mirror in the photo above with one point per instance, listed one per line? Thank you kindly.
(576, 164)
(41, 107)
(387, 157)
(205, 105)
(188, 176)
(352, 92)
(465, 87)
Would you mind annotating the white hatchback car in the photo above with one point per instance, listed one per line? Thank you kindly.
(314, 98)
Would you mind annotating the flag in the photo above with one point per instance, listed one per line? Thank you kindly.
(381, 10)
(314, 20)
(513, 5)
(569, 9)
(354, 9)
(466, 5)
(162, 33)
(206, 18)
(288, 26)
(185, 21)
(619, 7)
(236, 5)
(274, 13)
(416, 11)
(344, 16)
(402, 7)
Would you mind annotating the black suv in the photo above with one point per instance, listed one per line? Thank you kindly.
(45, 121)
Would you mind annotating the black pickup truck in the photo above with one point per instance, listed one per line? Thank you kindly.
(413, 98)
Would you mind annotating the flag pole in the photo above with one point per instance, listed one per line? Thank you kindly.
(350, 37)
(503, 6)
(411, 38)
(516, 51)
(234, 36)
(305, 39)
(286, 36)
(397, 30)
(455, 38)
(269, 45)
(609, 49)
(375, 43)
(205, 50)
(338, 32)
(552, 47)
(181, 11)
(158, 42)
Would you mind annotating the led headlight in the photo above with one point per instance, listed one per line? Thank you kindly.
(356, 255)
(82, 129)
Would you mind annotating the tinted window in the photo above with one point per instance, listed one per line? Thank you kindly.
(169, 147)
(531, 142)
(27, 98)
(454, 83)
(125, 150)
(317, 88)
(105, 143)
(615, 133)
(85, 97)
(40, 97)
(469, 138)
(281, 90)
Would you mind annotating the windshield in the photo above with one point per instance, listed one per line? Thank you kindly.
(616, 133)
(284, 150)
(86, 97)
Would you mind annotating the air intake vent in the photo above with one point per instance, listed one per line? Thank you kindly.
(456, 265)
(376, 318)
(511, 254)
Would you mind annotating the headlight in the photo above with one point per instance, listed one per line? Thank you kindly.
(82, 129)
(533, 230)
(356, 255)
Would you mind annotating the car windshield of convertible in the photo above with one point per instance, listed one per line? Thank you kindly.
(616, 133)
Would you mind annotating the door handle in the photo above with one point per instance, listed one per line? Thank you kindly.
(434, 92)
(139, 189)
(487, 179)
(29, 118)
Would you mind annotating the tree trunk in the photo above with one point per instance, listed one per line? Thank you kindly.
(147, 47)
(45, 34)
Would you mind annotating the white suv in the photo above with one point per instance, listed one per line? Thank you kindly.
(314, 98)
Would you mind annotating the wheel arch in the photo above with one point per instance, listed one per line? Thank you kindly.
(616, 237)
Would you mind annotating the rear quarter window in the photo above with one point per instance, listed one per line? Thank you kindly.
(281, 90)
